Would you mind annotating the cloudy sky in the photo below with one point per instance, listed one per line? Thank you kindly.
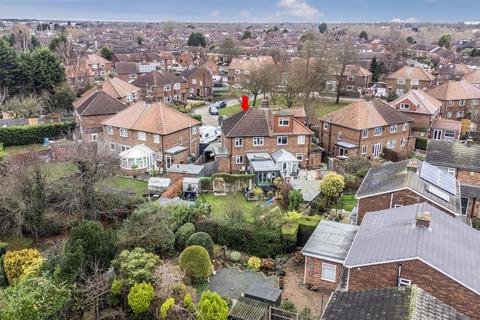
(245, 10)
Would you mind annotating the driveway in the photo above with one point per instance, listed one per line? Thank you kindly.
(207, 118)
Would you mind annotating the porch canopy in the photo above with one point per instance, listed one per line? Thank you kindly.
(138, 157)
(263, 166)
(346, 145)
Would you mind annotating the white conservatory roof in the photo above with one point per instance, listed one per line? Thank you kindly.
(139, 151)
(284, 156)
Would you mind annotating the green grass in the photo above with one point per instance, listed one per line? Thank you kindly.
(222, 205)
(347, 202)
(17, 242)
(58, 170)
(326, 106)
(13, 150)
(125, 184)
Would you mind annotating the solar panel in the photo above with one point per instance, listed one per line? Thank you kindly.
(439, 178)
(439, 193)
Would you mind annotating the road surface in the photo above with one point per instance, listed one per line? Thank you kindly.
(207, 118)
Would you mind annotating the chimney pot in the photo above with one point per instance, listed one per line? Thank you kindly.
(412, 166)
(423, 219)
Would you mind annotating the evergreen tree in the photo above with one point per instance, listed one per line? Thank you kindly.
(197, 39)
(46, 69)
(322, 27)
(375, 69)
(106, 53)
(363, 35)
(9, 66)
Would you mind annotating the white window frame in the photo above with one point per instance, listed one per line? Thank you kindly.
(176, 86)
(449, 134)
(365, 133)
(450, 103)
(462, 103)
(194, 81)
(350, 87)
(391, 144)
(364, 149)
(156, 138)
(280, 139)
(180, 141)
(449, 114)
(460, 114)
(167, 87)
(340, 136)
(332, 267)
(301, 140)
(258, 141)
(109, 129)
(194, 130)
(238, 142)
(283, 122)
(123, 132)
(94, 136)
(326, 125)
(404, 106)
(239, 159)
(452, 171)
(351, 78)
(400, 81)
(402, 282)
(405, 126)
(414, 82)
(299, 156)
(378, 131)
(112, 146)
(393, 128)
(238, 71)
(403, 142)
(141, 136)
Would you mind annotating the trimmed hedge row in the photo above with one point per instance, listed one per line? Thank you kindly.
(421, 143)
(22, 135)
(306, 226)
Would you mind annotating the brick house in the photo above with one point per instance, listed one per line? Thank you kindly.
(353, 83)
(200, 82)
(171, 135)
(452, 71)
(163, 86)
(421, 107)
(408, 182)
(458, 98)
(411, 245)
(364, 128)
(473, 78)
(264, 130)
(446, 130)
(239, 68)
(408, 78)
(123, 91)
(90, 109)
(127, 71)
(461, 160)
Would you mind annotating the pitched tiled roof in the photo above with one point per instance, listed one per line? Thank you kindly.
(410, 73)
(356, 70)
(96, 102)
(126, 68)
(424, 103)
(454, 69)
(96, 59)
(400, 303)
(249, 62)
(154, 118)
(455, 90)
(395, 176)
(118, 88)
(157, 78)
(366, 114)
(448, 245)
(454, 155)
(473, 77)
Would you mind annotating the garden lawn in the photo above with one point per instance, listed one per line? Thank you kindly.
(125, 184)
(59, 169)
(325, 106)
(220, 205)
(347, 202)
(13, 150)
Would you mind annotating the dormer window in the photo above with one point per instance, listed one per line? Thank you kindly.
(284, 122)
(404, 106)
(351, 78)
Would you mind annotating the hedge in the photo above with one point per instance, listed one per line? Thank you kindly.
(289, 235)
(232, 178)
(306, 226)
(22, 135)
(421, 143)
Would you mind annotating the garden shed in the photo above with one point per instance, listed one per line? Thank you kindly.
(264, 293)
(249, 309)
(158, 185)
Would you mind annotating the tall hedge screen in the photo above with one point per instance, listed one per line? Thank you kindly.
(21, 135)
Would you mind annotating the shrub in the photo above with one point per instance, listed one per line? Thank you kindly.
(182, 235)
(117, 286)
(254, 263)
(212, 307)
(295, 199)
(21, 263)
(166, 307)
(421, 143)
(35, 298)
(21, 135)
(201, 239)
(188, 303)
(306, 226)
(332, 185)
(140, 297)
(136, 266)
(476, 223)
(235, 256)
(289, 235)
(3, 275)
(195, 262)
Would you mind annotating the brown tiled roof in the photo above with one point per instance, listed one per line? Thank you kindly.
(118, 88)
(126, 67)
(154, 118)
(455, 90)
(96, 59)
(356, 70)
(366, 114)
(96, 102)
(455, 69)
(410, 73)
(473, 77)
(249, 62)
(447, 124)
(425, 103)
(157, 78)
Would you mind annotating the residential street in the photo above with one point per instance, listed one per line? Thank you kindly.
(207, 118)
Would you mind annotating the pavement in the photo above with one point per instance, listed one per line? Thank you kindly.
(207, 118)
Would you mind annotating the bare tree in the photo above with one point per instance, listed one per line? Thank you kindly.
(259, 81)
(346, 54)
(395, 48)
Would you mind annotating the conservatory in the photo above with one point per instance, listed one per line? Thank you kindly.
(139, 157)
(287, 163)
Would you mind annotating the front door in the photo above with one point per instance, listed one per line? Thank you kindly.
(437, 134)
(377, 148)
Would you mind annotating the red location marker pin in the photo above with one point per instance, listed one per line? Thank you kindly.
(244, 103)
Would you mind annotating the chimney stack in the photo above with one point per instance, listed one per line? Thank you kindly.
(265, 103)
(412, 166)
(423, 219)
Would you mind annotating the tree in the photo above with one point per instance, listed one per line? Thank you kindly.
(9, 67)
(140, 40)
(322, 27)
(363, 35)
(140, 297)
(21, 264)
(332, 186)
(375, 69)
(212, 307)
(60, 99)
(445, 41)
(293, 83)
(345, 55)
(47, 71)
(135, 266)
(34, 42)
(247, 34)
(201, 239)
(295, 199)
(392, 95)
(229, 48)
(195, 262)
(106, 53)
(410, 40)
(37, 298)
(395, 49)
(182, 235)
(260, 80)
(196, 39)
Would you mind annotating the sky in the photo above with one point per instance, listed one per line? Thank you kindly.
(246, 10)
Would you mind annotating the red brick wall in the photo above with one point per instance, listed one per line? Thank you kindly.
(313, 273)
(282, 129)
(470, 177)
(413, 106)
(422, 275)
(456, 107)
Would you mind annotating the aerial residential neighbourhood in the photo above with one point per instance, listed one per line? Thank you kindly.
(239, 160)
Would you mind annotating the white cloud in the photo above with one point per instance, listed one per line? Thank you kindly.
(215, 13)
(299, 8)
(408, 20)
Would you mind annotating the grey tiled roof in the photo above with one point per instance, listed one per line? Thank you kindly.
(330, 239)
(470, 191)
(253, 123)
(395, 176)
(454, 155)
(449, 245)
(404, 303)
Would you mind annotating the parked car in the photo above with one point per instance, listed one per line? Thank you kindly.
(221, 104)
(213, 110)
(208, 134)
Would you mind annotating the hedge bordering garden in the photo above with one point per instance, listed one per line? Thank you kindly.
(22, 135)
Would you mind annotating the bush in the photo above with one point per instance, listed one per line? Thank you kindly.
(117, 287)
(476, 223)
(254, 263)
(3, 275)
(20, 264)
(201, 239)
(135, 266)
(140, 297)
(332, 185)
(295, 199)
(166, 307)
(35, 298)
(212, 307)
(289, 235)
(21, 135)
(188, 303)
(182, 235)
(235, 256)
(196, 264)
(306, 226)
(421, 143)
